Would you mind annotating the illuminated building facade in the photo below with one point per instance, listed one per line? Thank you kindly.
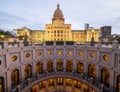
(59, 31)
(59, 64)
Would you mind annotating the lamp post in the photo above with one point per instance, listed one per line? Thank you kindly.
(92, 39)
(2, 36)
(25, 39)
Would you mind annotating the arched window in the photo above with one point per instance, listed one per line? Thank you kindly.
(118, 84)
(1, 84)
(91, 70)
(51, 82)
(34, 88)
(85, 88)
(80, 67)
(15, 77)
(69, 66)
(59, 65)
(42, 84)
(105, 77)
(39, 67)
(59, 81)
(28, 71)
(49, 66)
(79, 84)
(69, 82)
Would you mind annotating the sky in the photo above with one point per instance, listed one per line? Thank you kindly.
(34, 14)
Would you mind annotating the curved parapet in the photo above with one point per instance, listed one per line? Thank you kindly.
(23, 67)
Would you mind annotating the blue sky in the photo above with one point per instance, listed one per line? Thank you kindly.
(34, 14)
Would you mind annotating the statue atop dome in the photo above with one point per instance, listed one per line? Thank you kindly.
(58, 6)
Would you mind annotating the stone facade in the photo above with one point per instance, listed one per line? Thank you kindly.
(19, 64)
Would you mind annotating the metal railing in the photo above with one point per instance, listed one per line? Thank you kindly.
(45, 74)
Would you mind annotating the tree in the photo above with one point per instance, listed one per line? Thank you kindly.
(118, 39)
(5, 33)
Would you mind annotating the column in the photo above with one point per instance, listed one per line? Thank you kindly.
(22, 67)
(55, 83)
(90, 89)
(28, 90)
(115, 44)
(22, 73)
(86, 44)
(44, 58)
(98, 70)
(111, 71)
(73, 73)
(99, 45)
(81, 75)
(8, 78)
(75, 60)
(33, 44)
(91, 80)
(64, 65)
(54, 65)
(47, 86)
(82, 85)
(18, 88)
(98, 65)
(20, 44)
(86, 67)
(74, 65)
(34, 68)
(5, 45)
(28, 80)
(101, 89)
(38, 88)
(38, 76)
(54, 60)
(72, 86)
(34, 63)
(111, 79)
(47, 73)
(44, 64)
(64, 83)
(86, 60)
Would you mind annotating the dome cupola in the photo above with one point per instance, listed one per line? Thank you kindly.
(58, 14)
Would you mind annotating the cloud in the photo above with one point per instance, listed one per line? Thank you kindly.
(36, 13)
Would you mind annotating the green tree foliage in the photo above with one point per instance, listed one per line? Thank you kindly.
(5, 33)
(118, 39)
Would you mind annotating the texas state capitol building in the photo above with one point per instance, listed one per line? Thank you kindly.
(59, 31)
(59, 66)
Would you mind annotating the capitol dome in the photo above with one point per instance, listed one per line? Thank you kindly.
(58, 14)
